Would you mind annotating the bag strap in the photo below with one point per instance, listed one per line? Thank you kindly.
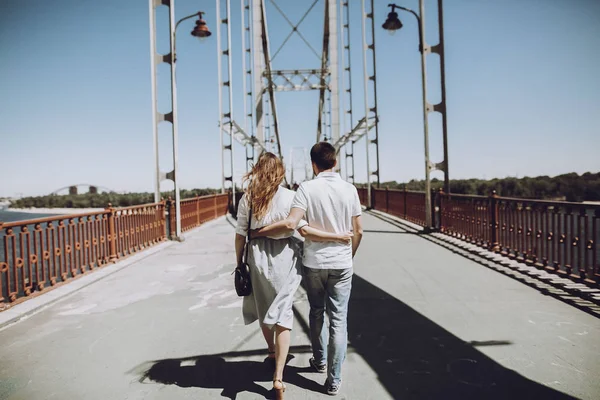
(249, 226)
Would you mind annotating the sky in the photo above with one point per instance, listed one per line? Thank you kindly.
(522, 91)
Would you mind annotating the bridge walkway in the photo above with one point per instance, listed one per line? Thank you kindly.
(424, 323)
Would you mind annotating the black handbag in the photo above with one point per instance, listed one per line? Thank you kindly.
(241, 279)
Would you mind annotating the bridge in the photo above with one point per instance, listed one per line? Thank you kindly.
(82, 188)
(454, 296)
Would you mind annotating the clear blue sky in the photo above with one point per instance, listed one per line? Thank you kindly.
(522, 91)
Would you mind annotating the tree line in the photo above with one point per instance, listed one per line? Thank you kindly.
(569, 187)
(101, 200)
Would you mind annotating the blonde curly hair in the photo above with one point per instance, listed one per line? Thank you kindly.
(265, 178)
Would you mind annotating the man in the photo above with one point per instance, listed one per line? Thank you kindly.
(330, 204)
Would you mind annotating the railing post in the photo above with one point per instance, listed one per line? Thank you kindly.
(112, 233)
(440, 196)
(215, 206)
(494, 222)
(169, 204)
(405, 196)
(197, 211)
(433, 203)
(387, 199)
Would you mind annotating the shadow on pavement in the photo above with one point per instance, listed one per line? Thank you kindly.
(216, 372)
(415, 358)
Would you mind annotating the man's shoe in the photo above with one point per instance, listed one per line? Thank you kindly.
(333, 388)
(322, 368)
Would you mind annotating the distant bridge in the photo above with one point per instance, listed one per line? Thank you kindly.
(81, 188)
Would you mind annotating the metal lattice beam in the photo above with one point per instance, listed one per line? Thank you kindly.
(361, 129)
(296, 80)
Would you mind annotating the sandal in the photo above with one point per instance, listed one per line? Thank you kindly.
(278, 391)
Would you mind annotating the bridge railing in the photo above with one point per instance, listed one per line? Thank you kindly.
(198, 210)
(561, 237)
(37, 255)
(405, 204)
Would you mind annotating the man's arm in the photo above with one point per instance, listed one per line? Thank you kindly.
(284, 226)
(358, 233)
(317, 235)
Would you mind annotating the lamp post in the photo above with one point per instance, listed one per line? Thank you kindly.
(392, 24)
(200, 31)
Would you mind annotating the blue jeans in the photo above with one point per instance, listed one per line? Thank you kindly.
(329, 289)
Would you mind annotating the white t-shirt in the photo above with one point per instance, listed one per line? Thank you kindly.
(329, 203)
(278, 210)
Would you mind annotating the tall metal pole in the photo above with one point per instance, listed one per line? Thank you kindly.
(342, 159)
(366, 95)
(440, 51)
(334, 93)
(230, 76)
(220, 83)
(175, 178)
(257, 69)
(423, 52)
(153, 62)
(243, 25)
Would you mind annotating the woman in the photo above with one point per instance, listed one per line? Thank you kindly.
(274, 262)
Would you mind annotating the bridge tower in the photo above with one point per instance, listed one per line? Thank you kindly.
(259, 129)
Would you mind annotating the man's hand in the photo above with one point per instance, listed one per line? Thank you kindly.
(345, 238)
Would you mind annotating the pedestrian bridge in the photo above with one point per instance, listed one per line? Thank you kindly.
(429, 318)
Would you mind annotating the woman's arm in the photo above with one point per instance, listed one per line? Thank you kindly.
(284, 226)
(241, 229)
(317, 235)
(239, 247)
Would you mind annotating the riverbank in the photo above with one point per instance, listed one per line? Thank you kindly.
(53, 211)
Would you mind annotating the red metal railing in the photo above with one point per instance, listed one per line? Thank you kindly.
(36, 255)
(196, 211)
(557, 236)
(466, 217)
(561, 237)
(401, 203)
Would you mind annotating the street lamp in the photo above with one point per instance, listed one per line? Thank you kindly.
(200, 31)
(392, 24)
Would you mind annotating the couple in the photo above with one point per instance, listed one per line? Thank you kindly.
(326, 212)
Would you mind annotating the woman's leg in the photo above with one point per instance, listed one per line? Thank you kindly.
(269, 338)
(282, 347)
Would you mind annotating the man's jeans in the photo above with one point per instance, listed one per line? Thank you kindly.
(329, 289)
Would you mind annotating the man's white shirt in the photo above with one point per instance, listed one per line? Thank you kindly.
(329, 203)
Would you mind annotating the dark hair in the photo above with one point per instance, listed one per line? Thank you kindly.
(323, 154)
